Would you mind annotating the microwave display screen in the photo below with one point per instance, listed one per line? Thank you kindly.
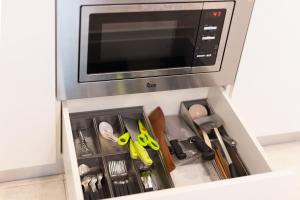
(141, 41)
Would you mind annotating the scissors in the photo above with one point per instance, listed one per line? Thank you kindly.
(136, 141)
(124, 138)
(153, 144)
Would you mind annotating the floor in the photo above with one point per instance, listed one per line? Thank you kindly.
(46, 188)
(49, 188)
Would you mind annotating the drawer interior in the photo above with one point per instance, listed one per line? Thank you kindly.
(250, 157)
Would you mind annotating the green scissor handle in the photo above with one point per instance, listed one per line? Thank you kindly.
(133, 152)
(153, 144)
(142, 139)
(142, 153)
(123, 139)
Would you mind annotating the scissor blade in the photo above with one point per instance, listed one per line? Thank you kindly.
(132, 127)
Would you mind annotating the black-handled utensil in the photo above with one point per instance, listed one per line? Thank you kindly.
(233, 171)
(124, 188)
(207, 152)
(86, 195)
(95, 195)
(177, 149)
(117, 189)
(130, 187)
(102, 194)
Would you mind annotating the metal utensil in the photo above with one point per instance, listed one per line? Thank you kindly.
(99, 177)
(85, 169)
(85, 183)
(231, 142)
(119, 176)
(107, 132)
(214, 122)
(84, 149)
(92, 183)
(146, 180)
(117, 168)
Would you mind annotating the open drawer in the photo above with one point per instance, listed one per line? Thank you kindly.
(261, 184)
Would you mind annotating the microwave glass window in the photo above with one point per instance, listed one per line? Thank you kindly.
(141, 41)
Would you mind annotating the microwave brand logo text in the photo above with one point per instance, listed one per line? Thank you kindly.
(151, 85)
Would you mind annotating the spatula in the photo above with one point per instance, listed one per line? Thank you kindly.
(157, 120)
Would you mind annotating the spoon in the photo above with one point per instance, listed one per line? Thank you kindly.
(99, 176)
(85, 183)
(93, 182)
(106, 131)
(84, 169)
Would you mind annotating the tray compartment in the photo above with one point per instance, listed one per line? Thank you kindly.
(84, 123)
(109, 147)
(158, 170)
(123, 181)
(158, 178)
(236, 159)
(96, 166)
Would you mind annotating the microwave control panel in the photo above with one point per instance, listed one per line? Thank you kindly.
(209, 36)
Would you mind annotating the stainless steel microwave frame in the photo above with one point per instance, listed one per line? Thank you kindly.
(73, 82)
(86, 11)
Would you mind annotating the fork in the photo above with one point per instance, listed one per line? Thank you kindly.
(118, 173)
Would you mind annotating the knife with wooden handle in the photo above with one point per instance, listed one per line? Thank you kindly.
(157, 120)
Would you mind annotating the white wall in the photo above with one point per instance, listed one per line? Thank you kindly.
(267, 90)
(27, 84)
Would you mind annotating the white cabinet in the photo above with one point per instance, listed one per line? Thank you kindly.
(267, 86)
(28, 106)
(262, 184)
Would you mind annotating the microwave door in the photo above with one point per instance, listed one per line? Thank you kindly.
(131, 41)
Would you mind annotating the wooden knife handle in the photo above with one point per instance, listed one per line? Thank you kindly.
(220, 165)
(165, 151)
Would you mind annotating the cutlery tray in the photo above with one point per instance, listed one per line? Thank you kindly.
(97, 166)
(106, 153)
(86, 125)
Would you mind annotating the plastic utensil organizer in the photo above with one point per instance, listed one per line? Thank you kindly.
(107, 158)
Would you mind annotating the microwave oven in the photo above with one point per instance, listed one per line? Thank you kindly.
(107, 47)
